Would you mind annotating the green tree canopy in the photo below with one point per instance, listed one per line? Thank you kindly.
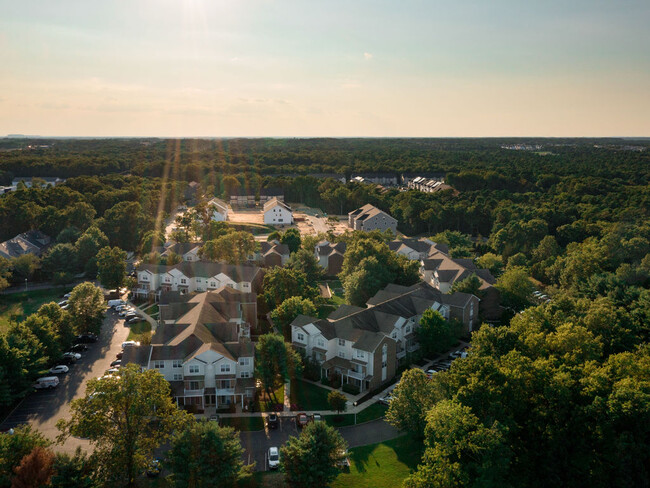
(282, 283)
(288, 310)
(275, 362)
(309, 461)
(86, 306)
(412, 397)
(207, 455)
(111, 267)
(292, 239)
(125, 418)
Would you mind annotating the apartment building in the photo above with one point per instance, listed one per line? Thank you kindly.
(369, 218)
(277, 213)
(30, 242)
(196, 276)
(273, 253)
(364, 345)
(330, 256)
(189, 251)
(202, 347)
(219, 210)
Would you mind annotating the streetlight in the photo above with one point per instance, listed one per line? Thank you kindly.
(25, 284)
(355, 412)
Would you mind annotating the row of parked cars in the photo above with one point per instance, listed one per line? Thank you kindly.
(127, 312)
(68, 359)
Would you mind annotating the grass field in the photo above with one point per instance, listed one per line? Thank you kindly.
(20, 305)
(141, 332)
(309, 396)
(383, 465)
(373, 412)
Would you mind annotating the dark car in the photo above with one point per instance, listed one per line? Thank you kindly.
(272, 421)
(301, 420)
(116, 363)
(119, 355)
(68, 361)
(79, 348)
(87, 338)
(134, 320)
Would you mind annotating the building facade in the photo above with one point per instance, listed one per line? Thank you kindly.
(369, 218)
(277, 213)
(203, 349)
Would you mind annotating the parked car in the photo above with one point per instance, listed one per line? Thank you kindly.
(214, 418)
(274, 458)
(301, 420)
(272, 421)
(79, 348)
(154, 468)
(431, 372)
(47, 382)
(67, 296)
(130, 343)
(111, 372)
(63, 303)
(87, 338)
(115, 303)
(116, 363)
(455, 355)
(68, 361)
(71, 354)
(386, 399)
(133, 320)
(119, 355)
(316, 417)
(60, 369)
(343, 461)
(131, 315)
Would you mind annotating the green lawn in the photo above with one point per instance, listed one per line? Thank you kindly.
(309, 396)
(373, 412)
(267, 404)
(383, 465)
(20, 305)
(243, 423)
(151, 309)
(141, 332)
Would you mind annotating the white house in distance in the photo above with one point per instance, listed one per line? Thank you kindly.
(277, 213)
(219, 210)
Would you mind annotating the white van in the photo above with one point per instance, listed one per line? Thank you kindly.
(115, 303)
(46, 382)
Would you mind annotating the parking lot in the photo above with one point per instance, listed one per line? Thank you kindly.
(256, 444)
(43, 408)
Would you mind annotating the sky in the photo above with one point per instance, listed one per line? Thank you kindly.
(276, 68)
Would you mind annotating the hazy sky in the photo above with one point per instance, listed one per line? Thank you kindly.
(325, 68)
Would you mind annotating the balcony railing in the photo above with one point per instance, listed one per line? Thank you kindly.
(198, 392)
(354, 374)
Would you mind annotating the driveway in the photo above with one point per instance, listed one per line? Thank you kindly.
(43, 408)
(256, 444)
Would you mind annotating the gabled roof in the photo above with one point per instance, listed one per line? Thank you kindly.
(220, 204)
(274, 247)
(207, 269)
(31, 242)
(274, 202)
(326, 248)
(368, 211)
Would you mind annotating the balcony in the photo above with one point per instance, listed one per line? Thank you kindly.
(198, 392)
(354, 374)
(224, 391)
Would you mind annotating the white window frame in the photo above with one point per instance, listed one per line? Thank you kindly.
(300, 336)
(178, 377)
(158, 364)
(245, 361)
(225, 368)
(177, 363)
(194, 369)
(342, 342)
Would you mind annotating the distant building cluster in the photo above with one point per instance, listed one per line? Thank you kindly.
(30, 181)
(31, 242)
(428, 185)
(522, 147)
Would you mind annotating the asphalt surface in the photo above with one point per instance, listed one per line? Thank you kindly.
(43, 408)
(256, 444)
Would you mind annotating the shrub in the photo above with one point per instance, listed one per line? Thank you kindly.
(352, 389)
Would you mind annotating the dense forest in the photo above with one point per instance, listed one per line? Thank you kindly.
(558, 394)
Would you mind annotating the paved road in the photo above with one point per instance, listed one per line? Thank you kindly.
(256, 444)
(42, 409)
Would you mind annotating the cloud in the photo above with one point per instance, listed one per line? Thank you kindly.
(367, 56)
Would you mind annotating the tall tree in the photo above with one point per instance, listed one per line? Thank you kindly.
(412, 397)
(89, 244)
(34, 470)
(233, 248)
(309, 461)
(111, 267)
(435, 334)
(461, 451)
(275, 362)
(292, 239)
(60, 258)
(288, 310)
(206, 455)
(73, 471)
(5, 273)
(125, 418)
(305, 261)
(13, 448)
(515, 287)
(86, 306)
(23, 267)
(282, 283)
